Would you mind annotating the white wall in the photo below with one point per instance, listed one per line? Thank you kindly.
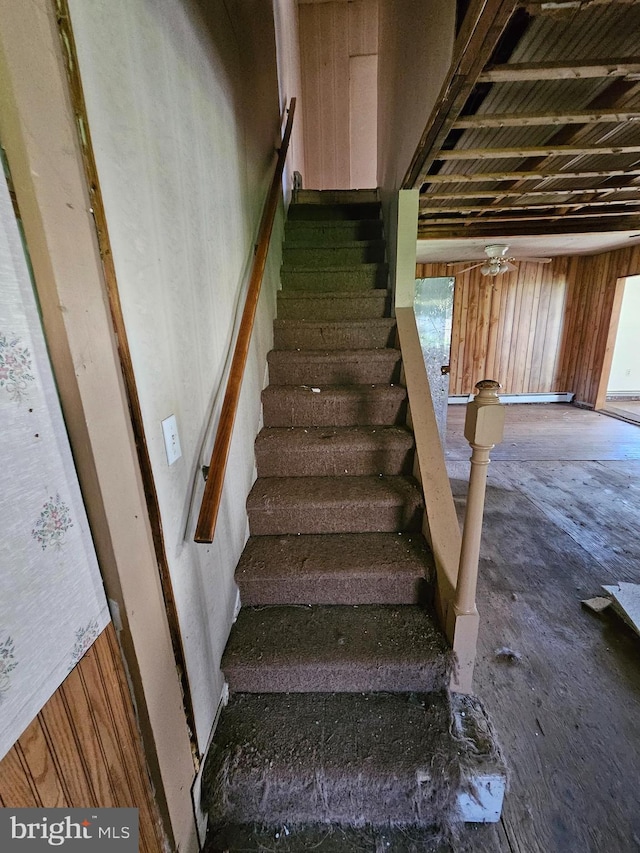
(415, 49)
(183, 110)
(625, 367)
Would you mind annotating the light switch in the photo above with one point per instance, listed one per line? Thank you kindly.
(171, 439)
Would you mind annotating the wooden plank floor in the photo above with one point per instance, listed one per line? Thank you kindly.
(562, 518)
(552, 434)
(629, 410)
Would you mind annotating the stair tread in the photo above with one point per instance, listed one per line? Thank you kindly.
(335, 555)
(322, 438)
(376, 758)
(333, 405)
(353, 389)
(330, 295)
(351, 268)
(331, 334)
(364, 194)
(332, 491)
(341, 355)
(296, 648)
(365, 750)
(378, 365)
(366, 504)
(349, 210)
(343, 244)
(322, 838)
(381, 322)
(332, 229)
(312, 224)
(334, 451)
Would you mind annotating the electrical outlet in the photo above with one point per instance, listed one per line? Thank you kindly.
(171, 439)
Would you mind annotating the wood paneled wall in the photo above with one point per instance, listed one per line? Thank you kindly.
(544, 328)
(332, 34)
(83, 748)
(508, 328)
(591, 291)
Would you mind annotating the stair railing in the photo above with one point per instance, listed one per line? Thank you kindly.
(212, 496)
(483, 428)
(456, 556)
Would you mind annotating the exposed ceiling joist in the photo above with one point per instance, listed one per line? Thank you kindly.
(585, 109)
(536, 175)
(532, 119)
(628, 68)
(555, 7)
(426, 198)
(485, 208)
(482, 27)
(446, 220)
(535, 151)
(562, 228)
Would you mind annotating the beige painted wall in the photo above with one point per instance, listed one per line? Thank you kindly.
(39, 133)
(415, 49)
(625, 367)
(182, 103)
(338, 48)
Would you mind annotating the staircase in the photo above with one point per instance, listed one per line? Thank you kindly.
(340, 733)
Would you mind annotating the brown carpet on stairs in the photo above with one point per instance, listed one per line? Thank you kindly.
(339, 727)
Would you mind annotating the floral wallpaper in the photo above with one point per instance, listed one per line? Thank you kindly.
(52, 604)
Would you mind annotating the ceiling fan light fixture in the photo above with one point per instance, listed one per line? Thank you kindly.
(496, 251)
(491, 268)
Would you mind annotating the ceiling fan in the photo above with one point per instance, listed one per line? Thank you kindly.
(496, 262)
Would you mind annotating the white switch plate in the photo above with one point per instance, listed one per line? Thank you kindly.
(171, 439)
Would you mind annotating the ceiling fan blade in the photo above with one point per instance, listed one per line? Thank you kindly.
(535, 260)
(508, 266)
(465, 269)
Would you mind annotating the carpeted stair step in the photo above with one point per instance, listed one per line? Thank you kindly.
(317, 233)
(294, 649)
(320, 212)
(323, 838)
(334, 306)
(278, 505)
(358, 334)
(329, 279)
(336, 255)
(348, 759)
(395, 762)
(336, 568)
(334, 405)
(335, 451)
(337, 196)
(334, 367)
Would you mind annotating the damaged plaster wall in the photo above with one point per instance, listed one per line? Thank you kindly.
(182, 102)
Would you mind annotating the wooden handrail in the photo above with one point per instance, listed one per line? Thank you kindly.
(208, 515)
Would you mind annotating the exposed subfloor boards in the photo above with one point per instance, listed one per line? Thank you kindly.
(562, 518)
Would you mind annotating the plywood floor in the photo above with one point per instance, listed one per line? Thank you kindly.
(562, 518)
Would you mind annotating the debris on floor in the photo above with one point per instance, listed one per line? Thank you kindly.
(597, 604)
(509, 655)
(625, 600)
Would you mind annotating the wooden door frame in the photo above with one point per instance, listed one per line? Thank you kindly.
(614, 322)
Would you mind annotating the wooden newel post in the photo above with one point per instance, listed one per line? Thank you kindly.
(483, 429)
